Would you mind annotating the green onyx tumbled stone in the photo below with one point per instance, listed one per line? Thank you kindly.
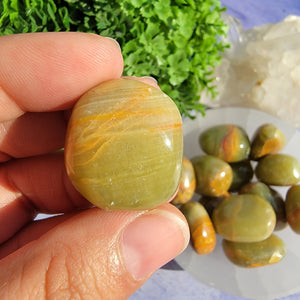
(203, 235)
(213, 175)
(244, 218)
(257, 254)
(124, 145)
(278, 169)
(292, 207)
(228, 142)
(270, 195)
(268, 139)
(187, 183)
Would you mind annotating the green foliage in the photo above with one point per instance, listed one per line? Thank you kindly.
(179, 42)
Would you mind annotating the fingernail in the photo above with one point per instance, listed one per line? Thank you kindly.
(150, 78)
(113, 40)
(152, 240)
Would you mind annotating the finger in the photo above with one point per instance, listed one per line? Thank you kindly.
(32, 134)
(52, 69)
(108, 254)
(35, 184)
(31, 232)
(146, 79)
(38, 133)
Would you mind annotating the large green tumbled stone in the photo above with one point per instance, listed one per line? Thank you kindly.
(124, 145)
(244, 218)
(270, 195)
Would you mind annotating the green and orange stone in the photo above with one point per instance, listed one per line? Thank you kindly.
(124, 146)
(228, 142)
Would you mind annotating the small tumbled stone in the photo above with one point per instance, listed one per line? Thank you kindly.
(187, 184)
(203, 234)
(278, 169)
(257, 254)
(292, 207)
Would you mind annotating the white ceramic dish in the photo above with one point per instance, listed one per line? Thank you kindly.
(215, 270)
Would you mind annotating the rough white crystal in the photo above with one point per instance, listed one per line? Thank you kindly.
(262, 71)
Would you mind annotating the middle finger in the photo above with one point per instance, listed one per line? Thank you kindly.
(32, 134)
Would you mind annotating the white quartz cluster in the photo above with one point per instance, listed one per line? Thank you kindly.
(262, 70)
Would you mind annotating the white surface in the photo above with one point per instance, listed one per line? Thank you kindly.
(215, 270)
(261, 69)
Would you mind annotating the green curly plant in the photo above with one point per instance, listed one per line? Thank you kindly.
(179, 42)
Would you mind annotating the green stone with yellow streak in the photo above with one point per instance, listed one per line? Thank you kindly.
(244, 218)
(228, 142)
(213, 175)
(251, 255)
(124, 146)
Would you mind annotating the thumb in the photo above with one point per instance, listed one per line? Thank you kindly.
(96, 254)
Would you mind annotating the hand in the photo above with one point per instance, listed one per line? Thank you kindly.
(84, 253)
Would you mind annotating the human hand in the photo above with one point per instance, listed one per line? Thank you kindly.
(84, 253)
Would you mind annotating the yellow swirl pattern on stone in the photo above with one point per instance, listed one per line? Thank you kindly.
(124, 145)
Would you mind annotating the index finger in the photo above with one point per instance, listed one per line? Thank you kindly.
(49, 71)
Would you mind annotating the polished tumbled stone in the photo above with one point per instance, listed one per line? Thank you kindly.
(124, 145)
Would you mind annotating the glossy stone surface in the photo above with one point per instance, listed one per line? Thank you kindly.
(187, 183)
(228, 142)
(203, 234)
(292, 207)
(244, 218)
(278, 169)
(242, 173)
(213, 175)
(124, 145)
(251, 255)
(270, 195)
(267, 140)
